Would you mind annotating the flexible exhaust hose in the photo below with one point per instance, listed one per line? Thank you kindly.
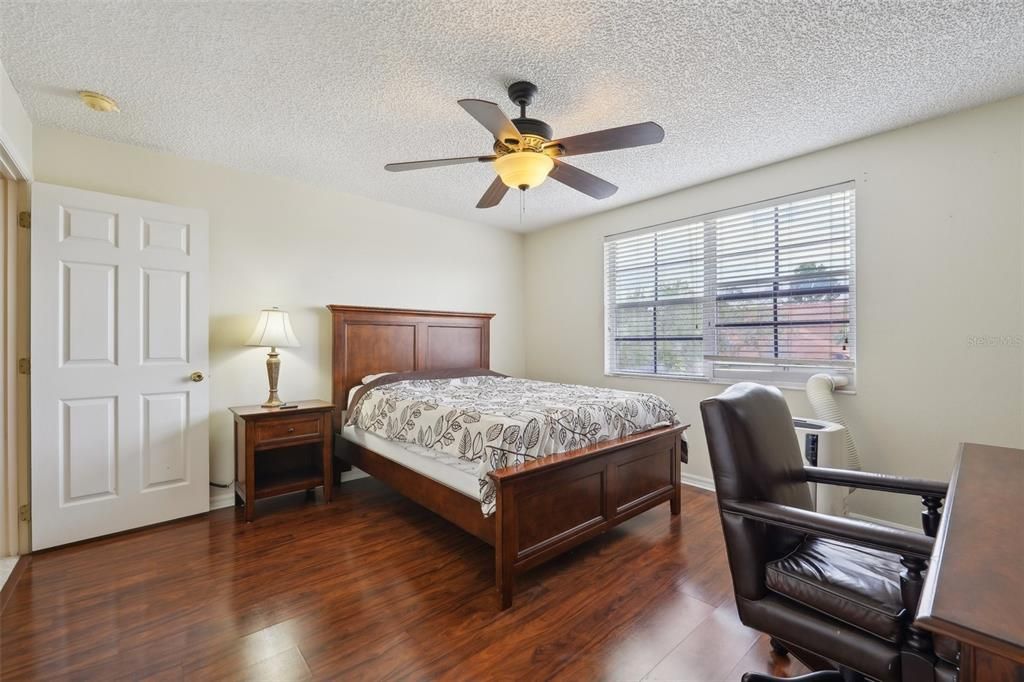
(819, 394)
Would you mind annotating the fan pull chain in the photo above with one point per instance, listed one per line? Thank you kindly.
(522, 205)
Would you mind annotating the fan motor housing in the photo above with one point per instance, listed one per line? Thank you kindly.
(533, 126)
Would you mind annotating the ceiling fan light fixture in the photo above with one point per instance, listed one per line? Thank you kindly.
(523, 170)
(525, 153)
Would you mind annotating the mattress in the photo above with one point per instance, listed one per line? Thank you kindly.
(481, 421)
(452, 472)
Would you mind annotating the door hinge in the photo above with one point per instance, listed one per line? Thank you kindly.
(25, 219)
(24, 513)
(24, 366)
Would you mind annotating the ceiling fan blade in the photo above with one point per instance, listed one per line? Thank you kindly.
(494, 194)
(491, 117)
(435, 163)
(582, 181)
(636, 135)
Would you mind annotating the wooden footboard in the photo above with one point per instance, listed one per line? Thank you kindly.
(553, 504)
(550, 505)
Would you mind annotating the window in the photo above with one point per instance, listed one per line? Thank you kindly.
(763, 292)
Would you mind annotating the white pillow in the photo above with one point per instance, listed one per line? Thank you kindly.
(370, 377)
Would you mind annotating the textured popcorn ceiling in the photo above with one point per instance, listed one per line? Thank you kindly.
(329, 92)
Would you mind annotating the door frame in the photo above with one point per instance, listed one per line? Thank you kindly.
(14, 341)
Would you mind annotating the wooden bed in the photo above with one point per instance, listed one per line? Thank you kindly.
(544, 507)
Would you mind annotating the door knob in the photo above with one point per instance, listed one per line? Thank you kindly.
(196, 376)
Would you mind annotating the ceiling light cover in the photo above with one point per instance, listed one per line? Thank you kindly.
(98, 102)
(523, 170)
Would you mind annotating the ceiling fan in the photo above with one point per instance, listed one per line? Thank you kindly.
(525, 155)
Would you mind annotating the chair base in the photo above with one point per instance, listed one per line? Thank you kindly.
(844, 675)
(780, 648)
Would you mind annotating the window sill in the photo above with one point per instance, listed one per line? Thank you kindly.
(658, 377)
(786, 386)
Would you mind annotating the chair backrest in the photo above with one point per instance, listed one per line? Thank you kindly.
(755, 456)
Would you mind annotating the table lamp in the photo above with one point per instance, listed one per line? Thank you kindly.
(273, 330)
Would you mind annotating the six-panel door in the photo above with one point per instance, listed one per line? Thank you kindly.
(119, 324)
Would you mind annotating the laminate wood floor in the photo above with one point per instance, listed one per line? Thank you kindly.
(374, 587)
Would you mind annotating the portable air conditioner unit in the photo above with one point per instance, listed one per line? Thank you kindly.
(822, 445)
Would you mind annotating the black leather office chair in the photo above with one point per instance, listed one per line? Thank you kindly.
(838, 593)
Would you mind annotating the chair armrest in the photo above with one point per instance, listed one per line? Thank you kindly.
(871, 481)
(863, 533)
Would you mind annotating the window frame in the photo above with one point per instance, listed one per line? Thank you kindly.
(716, 369)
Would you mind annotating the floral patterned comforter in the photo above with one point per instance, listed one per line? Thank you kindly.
(496, 421)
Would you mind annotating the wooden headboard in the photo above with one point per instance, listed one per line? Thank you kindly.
(375, 340)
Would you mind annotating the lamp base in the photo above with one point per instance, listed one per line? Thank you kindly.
(273, 371)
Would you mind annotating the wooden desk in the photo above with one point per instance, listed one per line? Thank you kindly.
(974, 590)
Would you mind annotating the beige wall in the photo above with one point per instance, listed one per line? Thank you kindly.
(940, 232)
(277, 242)
(940, 247)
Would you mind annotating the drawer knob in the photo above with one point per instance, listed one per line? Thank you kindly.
(291, 429)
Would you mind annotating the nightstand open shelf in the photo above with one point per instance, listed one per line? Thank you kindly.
(288, 483)
(288, 469)
(282, 451)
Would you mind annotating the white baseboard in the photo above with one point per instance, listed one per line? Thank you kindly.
(225, 497)
(353, 474)
(702, 482)
(221, 497)
(884, 522)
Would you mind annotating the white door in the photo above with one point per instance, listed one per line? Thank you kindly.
(119, 326)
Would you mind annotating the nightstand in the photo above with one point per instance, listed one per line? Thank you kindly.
(282, 451)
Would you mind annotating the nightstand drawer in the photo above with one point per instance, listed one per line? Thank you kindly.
(295, 428)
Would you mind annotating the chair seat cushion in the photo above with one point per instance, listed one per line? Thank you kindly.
(858, 586)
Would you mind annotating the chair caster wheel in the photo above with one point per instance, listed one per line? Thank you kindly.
(778, 647)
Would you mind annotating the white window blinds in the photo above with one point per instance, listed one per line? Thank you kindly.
(655, 301)
(764, 291)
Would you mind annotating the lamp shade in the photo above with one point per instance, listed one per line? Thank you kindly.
(273, 329)
(523, 170)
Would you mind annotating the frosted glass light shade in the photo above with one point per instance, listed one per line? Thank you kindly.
(273, 329)
(523, 170)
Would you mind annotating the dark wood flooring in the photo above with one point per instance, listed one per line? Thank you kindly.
(373, 587)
